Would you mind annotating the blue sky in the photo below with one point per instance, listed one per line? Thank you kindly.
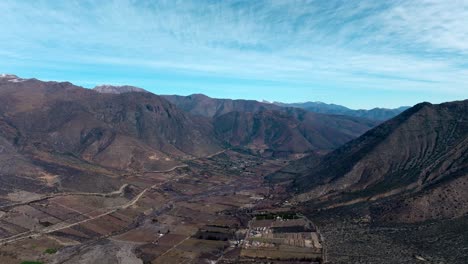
(360, 54)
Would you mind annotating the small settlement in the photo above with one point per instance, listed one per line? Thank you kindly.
(285, 237)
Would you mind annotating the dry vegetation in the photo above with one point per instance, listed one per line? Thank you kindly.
(187, 214)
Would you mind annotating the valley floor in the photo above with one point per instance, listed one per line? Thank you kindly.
(153, 218)
(356, 240)
(205, 212)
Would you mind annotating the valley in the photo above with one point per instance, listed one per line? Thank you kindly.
(121, 175)
(233, 132)
(155, 214)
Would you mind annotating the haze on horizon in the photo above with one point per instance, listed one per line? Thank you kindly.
(360, 54)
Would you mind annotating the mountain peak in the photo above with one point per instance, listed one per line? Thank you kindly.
(390, 160)
(118, 89)
(8, 76)
(379, 114)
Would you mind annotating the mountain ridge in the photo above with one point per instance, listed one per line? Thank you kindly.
(377, 113)
(200, 104)
(96, 125)
(127, 131)
(118, 89)
(269, 128)
(422, 149)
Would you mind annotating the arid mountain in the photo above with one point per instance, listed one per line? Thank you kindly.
(117, 128)
(199, 104)
(270, 129)
(290, 130)
(128, 131)
(380, 114)
(85, 176)
(413, 167)
(118, 89)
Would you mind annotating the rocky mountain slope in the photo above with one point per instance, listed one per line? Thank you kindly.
(413, 167)
(199, 104)
(380, 114)
(120, 127)
(288, 131)
(128, 131)
(270, 129)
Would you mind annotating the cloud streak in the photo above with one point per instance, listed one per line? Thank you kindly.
(418, 46)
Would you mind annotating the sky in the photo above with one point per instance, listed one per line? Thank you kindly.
(361, 54)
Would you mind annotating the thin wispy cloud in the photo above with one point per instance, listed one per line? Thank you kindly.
(293, 48)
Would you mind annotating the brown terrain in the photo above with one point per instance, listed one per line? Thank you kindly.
(128, 131)
(288, 131)
(154, 217)
(199, 104)
(421, 156)
(272, 130)
(406, 176)
(121, 176)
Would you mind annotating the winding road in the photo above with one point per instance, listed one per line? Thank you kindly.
(55, 228)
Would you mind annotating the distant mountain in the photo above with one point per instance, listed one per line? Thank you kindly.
(117, 89)
(200, 104)
(42, 121)
(291, 130)
(380, 114)
(114, 127)
(413, 167)
(271, 129)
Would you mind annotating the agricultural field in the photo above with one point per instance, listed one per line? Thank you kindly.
(191, 213)
(284, 237)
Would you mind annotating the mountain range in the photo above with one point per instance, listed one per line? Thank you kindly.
(85, 165)
(53, 121)
(121, 128)
(270, 128)
(200, 104)
(380, 114)
(411, 168)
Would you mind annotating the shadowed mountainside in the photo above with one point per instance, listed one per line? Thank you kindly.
(199, 104)
(58, 132)
(128, 131)
(270, 129)
(290, 130)
(413, 167)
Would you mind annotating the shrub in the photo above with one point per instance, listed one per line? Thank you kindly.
(50, 251)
